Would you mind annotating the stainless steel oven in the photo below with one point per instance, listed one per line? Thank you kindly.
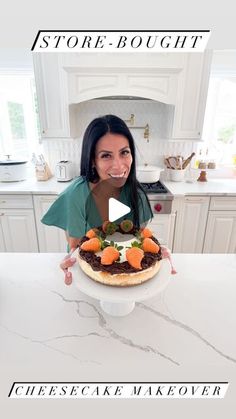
(163, 221)
(159, 196)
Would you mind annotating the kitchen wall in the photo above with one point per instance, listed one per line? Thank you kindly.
(158, 115)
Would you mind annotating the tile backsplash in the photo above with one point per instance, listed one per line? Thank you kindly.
(157, 115)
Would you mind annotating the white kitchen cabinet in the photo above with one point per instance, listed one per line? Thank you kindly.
(2, 242)
(220, 232)
(191, 97)
(51, 87)
(17, 224)
(50, 238)
(191, 219)
(221, 226)
(162, 226)
(19, 230)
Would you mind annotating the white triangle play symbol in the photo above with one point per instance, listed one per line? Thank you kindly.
(116, 209)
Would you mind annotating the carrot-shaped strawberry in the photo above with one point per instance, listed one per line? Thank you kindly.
(91, 245)
(109, 255)
(149, 245)
(146, 233)
(134, 256)
(91, 234)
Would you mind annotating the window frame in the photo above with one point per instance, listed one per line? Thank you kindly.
(19, 72)
(220, 73)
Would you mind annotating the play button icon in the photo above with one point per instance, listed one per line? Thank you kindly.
(116, 209)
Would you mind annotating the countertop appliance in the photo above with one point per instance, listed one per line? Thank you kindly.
(12, 170)
(159, 196)
(64, 171)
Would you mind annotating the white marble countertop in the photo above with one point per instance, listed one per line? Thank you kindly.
(51, 332)
(33, 186)
(212, 187)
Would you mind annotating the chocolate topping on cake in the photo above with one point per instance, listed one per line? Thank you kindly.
(119, 267)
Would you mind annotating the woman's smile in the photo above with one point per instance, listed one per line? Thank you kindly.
(117, 175)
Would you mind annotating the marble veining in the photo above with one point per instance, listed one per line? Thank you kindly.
(122, 339)
(45, 344)
(186, 328)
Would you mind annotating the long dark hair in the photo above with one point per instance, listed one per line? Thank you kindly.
(96, 129)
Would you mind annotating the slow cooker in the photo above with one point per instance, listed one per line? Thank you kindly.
(12, 170)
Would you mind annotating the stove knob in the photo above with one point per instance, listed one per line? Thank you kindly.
(158, 207)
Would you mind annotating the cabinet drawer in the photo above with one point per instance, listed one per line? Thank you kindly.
(219, 203)
(16, 201)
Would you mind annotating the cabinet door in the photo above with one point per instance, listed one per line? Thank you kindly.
(51, 239)
(162, 227)
(19, 232)
(221, 232)
(2, 241)
(190, 225)
(191, 97)
(51, 86)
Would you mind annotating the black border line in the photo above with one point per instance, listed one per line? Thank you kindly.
(115, 382)
(35, 41)
(116, 30)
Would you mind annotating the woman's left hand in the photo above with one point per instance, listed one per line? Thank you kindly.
(166, 254)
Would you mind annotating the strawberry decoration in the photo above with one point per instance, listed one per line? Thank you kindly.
(134, 256)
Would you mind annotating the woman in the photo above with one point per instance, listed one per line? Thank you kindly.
(107, 170)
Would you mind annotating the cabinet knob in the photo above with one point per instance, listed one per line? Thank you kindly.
(1, 214)
(3, 202)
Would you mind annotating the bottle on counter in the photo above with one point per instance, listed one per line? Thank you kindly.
(198, 159)
(187, 161)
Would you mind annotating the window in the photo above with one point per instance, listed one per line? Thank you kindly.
(19, 122)
(220, 119)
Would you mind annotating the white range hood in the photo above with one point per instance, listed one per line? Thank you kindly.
(65, 80)
(131, 83)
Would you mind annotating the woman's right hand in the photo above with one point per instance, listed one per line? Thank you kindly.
(67, 262)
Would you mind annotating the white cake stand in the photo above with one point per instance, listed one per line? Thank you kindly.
(120, 301)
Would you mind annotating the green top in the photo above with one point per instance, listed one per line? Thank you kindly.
(75, 210)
